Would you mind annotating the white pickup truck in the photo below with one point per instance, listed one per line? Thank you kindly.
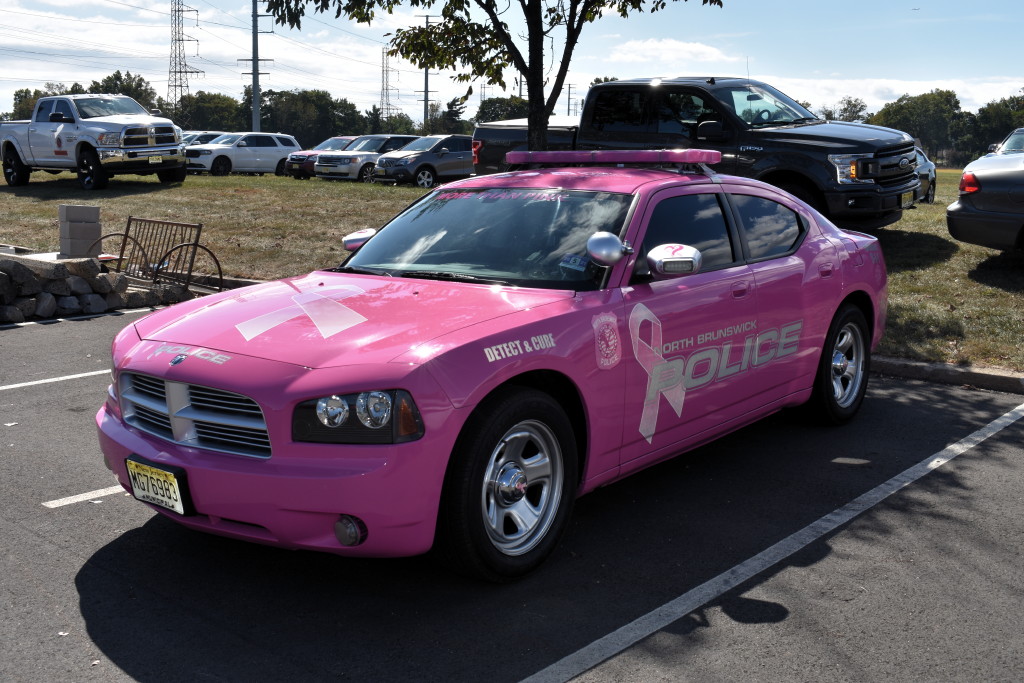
(97, 136)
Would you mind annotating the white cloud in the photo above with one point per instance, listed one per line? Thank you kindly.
(665, 51)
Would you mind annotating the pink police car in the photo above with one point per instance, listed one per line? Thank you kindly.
(504, 345)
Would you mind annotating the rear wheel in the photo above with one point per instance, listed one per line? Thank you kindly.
(510, 486)
(279, 170)
(15, 172)
(842, 378)
(91, 174)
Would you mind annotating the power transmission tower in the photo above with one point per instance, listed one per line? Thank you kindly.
(387, 110)
(179, 71)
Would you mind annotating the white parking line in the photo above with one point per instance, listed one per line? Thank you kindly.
(87, 316)
(92, 495)
(55, 379)
(652, 622)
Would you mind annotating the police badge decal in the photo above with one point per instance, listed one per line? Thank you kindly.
(607, 343)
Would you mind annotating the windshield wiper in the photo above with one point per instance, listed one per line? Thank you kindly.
(453, 277)
(806, 119)
(362, 271)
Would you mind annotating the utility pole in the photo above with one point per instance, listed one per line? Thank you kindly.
(568, 108)
(177, 75)
(256, 73)
(426, 83)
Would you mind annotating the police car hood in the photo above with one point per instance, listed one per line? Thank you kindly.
(327, 319)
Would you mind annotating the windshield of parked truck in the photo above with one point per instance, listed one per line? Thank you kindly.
(524, 237)
(94, 107)
(762, 105)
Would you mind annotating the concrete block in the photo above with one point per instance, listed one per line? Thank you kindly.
(75, 248)
(72, 213)
(81, 231)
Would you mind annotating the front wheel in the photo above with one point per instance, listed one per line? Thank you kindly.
(221, 166)
(366, 173)
(510, 487)
(842, 378)
(15, 171)
(929, 197)
(425, 178)
(91, 174)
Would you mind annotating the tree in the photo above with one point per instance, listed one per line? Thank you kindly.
(485, 50)
(135, 87)
(927, 117)
(502, 108)
(211, 111)
(852, 109)
(25, 99)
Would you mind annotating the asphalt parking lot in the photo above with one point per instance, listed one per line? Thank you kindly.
(887, 549)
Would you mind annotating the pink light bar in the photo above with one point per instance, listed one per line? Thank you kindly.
(618, 156)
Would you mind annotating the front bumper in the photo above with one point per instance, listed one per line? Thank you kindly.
(393, 174)
(141, 160)
(872, 204)
(347, 171)
(294, 501)
(995, 230)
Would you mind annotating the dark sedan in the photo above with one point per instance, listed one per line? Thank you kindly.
(926, 174)
(990, 209)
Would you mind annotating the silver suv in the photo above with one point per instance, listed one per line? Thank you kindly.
(427, 161)
(356, 161)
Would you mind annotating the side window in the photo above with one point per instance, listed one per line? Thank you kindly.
(681, 112)
(259, 141)
(286, 142)
(696, 220)
(43, 112)
(63, 107)
(459, 145)
(770, 228)
(622, 110)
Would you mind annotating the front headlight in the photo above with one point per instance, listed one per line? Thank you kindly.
(369, 417)
(404, 162)
(109, 139)
(849, 168)
(205, 152)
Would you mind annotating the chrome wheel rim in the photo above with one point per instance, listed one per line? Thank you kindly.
(425, 179)
(522, 488)
(848, 358)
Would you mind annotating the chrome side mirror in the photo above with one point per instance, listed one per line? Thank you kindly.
(355, 241)
(606, 249)
(673, 260)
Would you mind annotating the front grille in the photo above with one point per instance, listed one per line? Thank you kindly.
(194, 415)
(387, 163)
(328, 160)
(297, 158)
(147, 136)
(192, 153)
(887, 169)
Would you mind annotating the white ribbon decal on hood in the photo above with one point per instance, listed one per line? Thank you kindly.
(663, 377)
(327, 312)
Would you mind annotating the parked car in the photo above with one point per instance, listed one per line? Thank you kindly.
(357, 160)
(494, 351)
(200, 137)
(990, 209)
(926, 174)
(300, 164)
(242, 153)
(428, 160)
(1012, 144)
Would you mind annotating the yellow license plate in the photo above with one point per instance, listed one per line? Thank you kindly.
(907, 200)
(156, 160)
(155, 485)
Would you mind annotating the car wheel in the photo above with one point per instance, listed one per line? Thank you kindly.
(173, 175)
(91, 175)
(15, 172)
(510, 486)
(929, 197)
(280, 168)
(842, 377)
(220, 166)
(425, 178)
(366, 173)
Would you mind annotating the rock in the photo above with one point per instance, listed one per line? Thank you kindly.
(68, 305)
(79, 285)
(11, 314)
(46, 304)
(57, 287)
(27, 306)
(93, 303)
(83, 267)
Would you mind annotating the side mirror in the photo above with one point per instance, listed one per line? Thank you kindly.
(441, 152)
(606, 249)
(668, 261)
(57, 117)
(156, 112)
(242, 143)
(711, 130)
(991, 148)
(354, 242)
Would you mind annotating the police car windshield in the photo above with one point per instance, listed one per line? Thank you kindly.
(524, 237)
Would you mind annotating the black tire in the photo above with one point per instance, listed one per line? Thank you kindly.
(220, 166)
(366, 173)
(842, 377)
(425, 178)
(173, 175)
(279, 170)
(510, 487)
(929, 197)
(15, 171)
(91, 174)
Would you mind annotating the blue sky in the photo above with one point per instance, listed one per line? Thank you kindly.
(817, 51)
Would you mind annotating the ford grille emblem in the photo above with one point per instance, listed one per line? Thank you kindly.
(179, 359)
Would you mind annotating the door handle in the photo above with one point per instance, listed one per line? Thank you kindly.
(739, 290)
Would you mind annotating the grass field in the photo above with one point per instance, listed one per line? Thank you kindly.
(948, 301)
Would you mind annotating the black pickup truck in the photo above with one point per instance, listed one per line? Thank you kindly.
(858, 175)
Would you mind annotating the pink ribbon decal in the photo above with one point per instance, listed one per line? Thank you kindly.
(664, 377)
(327, 312)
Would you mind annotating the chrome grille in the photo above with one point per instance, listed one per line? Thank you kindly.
(194, 415)
(387, 163)
(147, 136)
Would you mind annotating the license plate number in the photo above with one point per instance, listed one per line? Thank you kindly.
(156, 160)
(381, 171)
(156, 485)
